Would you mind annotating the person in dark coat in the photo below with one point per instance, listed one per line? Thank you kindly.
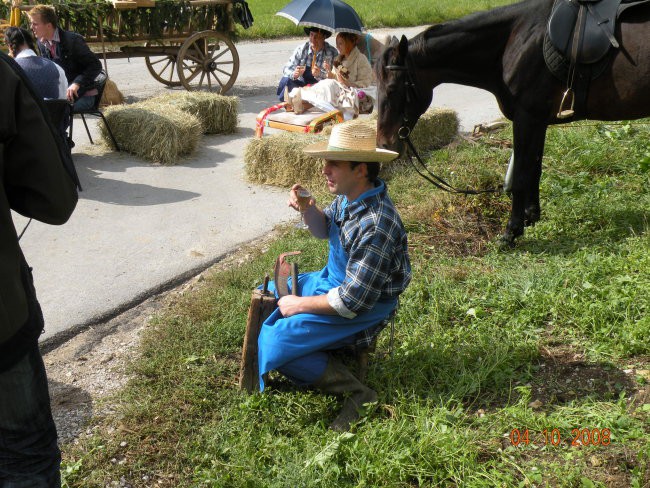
(70, 51)
(34, 183)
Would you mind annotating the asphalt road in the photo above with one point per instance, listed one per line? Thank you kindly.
(139, 228)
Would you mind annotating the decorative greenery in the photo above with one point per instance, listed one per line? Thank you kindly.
(168, 18)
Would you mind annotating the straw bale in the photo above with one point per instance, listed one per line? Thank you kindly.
(217, 113)
(159, 134)
(278, 160)
(435, 128)
(112, 95)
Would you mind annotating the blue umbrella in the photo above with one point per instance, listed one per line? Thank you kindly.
(332, 15)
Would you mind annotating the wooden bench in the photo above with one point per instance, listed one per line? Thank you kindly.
(311, 121)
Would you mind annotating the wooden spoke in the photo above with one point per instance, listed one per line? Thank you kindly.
(163, 67)
(208, 53)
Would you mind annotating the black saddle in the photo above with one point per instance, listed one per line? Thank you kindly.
(583, 31)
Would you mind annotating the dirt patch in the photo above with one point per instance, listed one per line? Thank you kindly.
(563, 376)
(84, 371)
(457, 231)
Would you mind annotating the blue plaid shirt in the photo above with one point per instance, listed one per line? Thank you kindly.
(303, 55)
(374, 238)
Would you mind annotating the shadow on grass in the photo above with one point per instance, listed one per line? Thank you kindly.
(620, 225)
(557, 377)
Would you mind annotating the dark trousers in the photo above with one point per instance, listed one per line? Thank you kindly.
(290, 83)
(29, 454)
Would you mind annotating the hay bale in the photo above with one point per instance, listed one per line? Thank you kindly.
(112, 95)
(278, 160)
(217, 113)
(159, 134)
(435, 129)
(370, 121)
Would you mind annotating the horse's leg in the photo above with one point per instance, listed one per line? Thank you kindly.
(533, 210)
(529, 135)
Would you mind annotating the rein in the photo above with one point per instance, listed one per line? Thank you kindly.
(437, 181)
(404, 133)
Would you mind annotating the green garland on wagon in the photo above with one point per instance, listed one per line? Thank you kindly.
(168, 18)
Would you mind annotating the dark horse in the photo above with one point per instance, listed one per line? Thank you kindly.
(500, 51)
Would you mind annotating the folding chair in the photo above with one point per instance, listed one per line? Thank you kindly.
(310, 122)
(100, 83)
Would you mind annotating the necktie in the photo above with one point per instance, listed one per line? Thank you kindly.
(53, 49)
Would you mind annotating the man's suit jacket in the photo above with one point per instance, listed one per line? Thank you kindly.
(80, 64)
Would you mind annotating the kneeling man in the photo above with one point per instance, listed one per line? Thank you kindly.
(367, 269)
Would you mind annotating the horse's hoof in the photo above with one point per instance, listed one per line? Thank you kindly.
(531, 217)
(507, 242)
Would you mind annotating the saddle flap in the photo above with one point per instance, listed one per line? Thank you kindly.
(590, 24)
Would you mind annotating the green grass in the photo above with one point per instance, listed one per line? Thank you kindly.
(487, 341)
(374, 14)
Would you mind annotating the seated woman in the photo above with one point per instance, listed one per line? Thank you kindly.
(342, 88)
(46, 76)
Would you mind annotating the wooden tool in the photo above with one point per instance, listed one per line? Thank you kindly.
(263, 303)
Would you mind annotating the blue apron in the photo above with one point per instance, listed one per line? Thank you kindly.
(284, 339)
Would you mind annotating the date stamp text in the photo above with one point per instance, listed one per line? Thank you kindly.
(553, 437)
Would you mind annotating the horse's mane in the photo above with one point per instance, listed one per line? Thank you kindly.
(471, 22)
(500, 18)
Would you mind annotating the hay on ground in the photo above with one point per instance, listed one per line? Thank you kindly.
(217, 113)
(159, 134)
(278, 160)
(112, 95)
(435, 129)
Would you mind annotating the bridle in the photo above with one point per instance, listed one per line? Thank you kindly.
(404, 133)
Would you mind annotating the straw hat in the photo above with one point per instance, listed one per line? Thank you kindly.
(351, 142)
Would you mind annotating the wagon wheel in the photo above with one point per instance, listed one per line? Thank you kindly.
(208, 60)
(163, 67)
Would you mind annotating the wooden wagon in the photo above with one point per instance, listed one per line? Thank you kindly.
(186, 42)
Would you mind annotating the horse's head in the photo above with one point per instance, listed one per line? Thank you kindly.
(400, 101)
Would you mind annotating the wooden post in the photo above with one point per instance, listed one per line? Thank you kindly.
(262, 304)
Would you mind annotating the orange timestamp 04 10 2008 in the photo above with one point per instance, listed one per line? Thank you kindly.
(553, 437)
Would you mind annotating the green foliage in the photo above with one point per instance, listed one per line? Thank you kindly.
(165, 19)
